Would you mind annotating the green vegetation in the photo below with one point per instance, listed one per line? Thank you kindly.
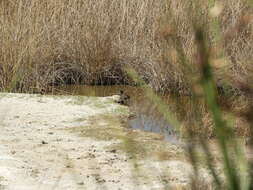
(131, 142)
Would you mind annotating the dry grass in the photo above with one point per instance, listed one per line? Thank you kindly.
(51, 42)
(170, 45)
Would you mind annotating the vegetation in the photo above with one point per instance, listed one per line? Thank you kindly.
(47, 43)
(205, 84)
(199, 48)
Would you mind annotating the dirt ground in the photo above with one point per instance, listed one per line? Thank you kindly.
(73, 142)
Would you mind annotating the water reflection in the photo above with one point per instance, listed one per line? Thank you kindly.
(147, 116)
(151, 124)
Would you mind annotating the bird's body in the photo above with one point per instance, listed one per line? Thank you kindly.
(124, 98)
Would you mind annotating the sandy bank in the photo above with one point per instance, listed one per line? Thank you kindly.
(67, 142)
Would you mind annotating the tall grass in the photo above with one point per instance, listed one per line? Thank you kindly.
(194, 47)
(46, 43)
(51, 42)
(204, 85)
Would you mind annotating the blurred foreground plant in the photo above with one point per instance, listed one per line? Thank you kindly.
(237, 169)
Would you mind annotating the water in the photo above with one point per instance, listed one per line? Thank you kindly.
(147, 116)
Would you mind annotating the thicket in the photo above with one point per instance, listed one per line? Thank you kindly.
(53, 42)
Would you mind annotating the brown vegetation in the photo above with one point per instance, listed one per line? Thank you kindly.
(46, 43)
(171, 45)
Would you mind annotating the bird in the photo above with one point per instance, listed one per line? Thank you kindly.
(123, 98)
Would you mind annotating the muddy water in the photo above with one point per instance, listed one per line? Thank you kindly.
(147, 117)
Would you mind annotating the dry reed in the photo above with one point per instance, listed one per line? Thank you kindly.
(52, 42)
